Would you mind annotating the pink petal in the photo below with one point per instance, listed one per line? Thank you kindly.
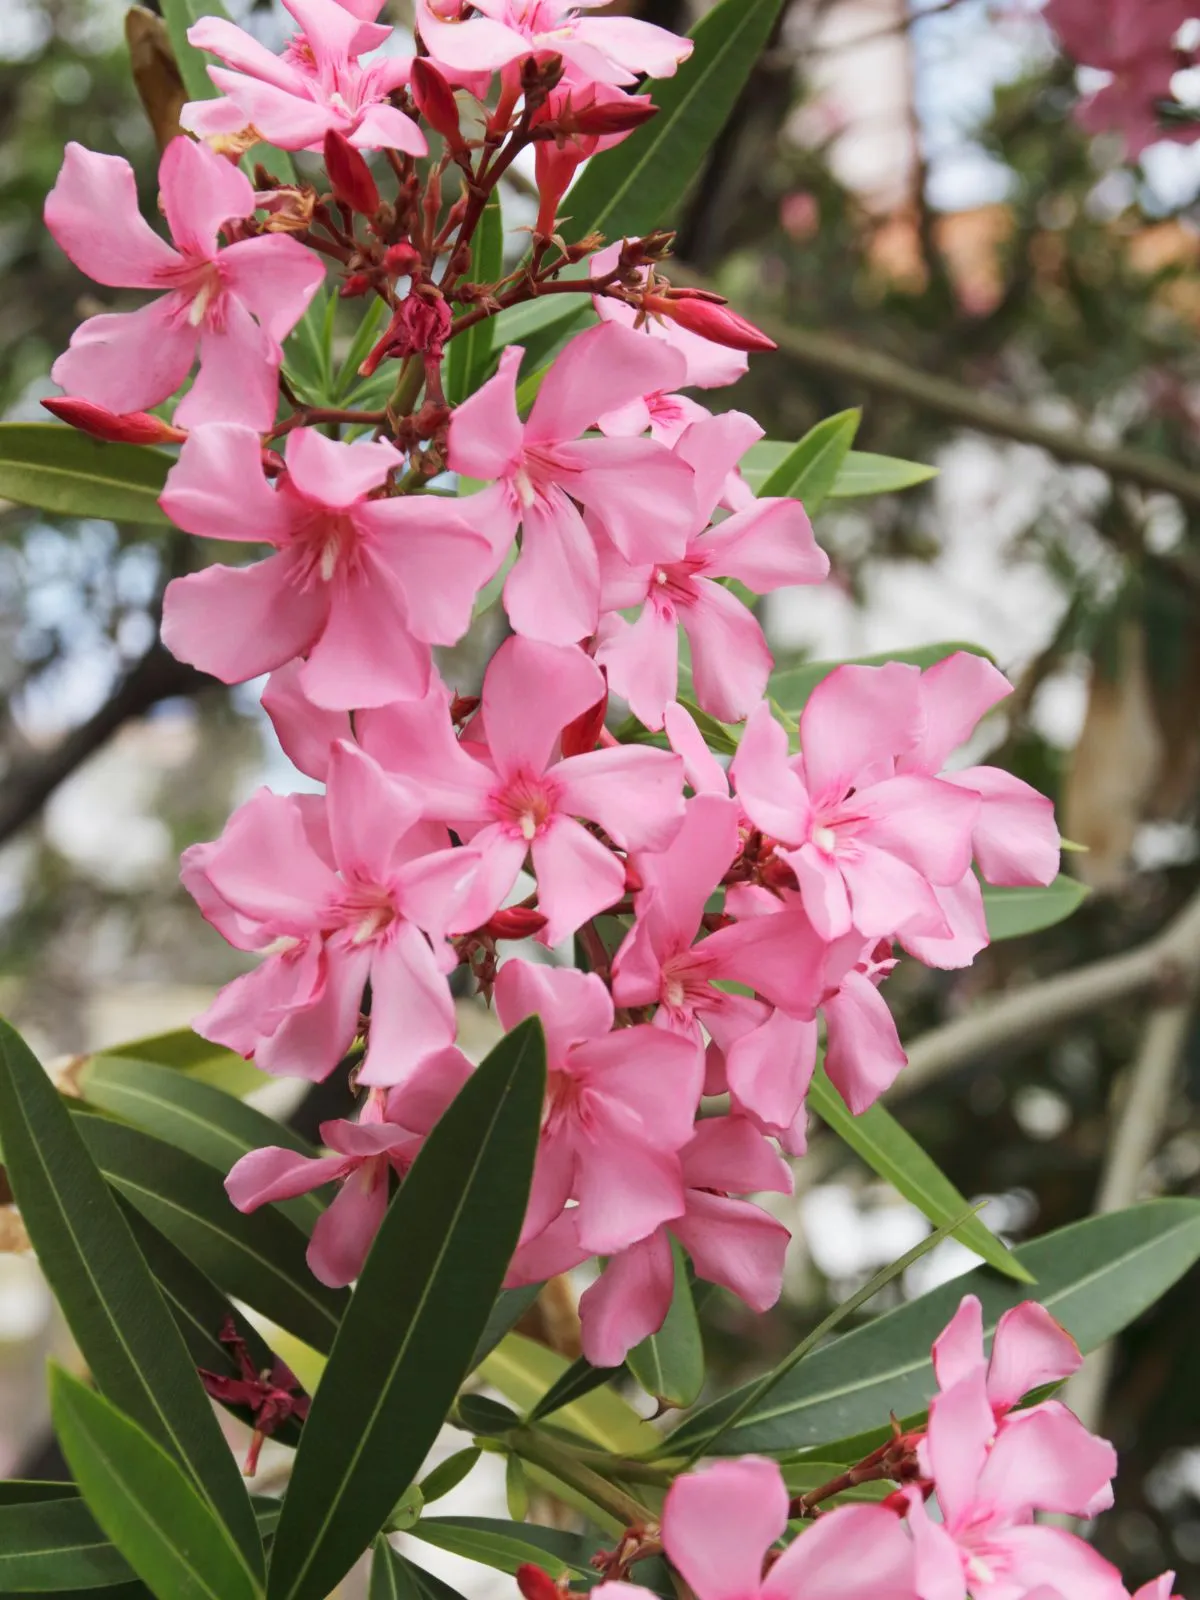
(958, 1349)
(441, 563)
(345, 1232)
(423, 1099)
(636, 795)
(480, 45)
(767, 547)
(573, 1005)
(366, 654)
(337, 475)
(824, 892)
(713, 446)
(736, 1245)
(264, 867)
(217, 489)
(730, 659)
(530, 693)
(92, 211)
(863, 1053)
(305, 732)
(384, 127)
(887, 895)
(364, 1140)
(772, 794)
(939, 1565)
(654, 1075)
(852, 1553)
(495, 516)
(960, 1430)
(456, 890)
(1016, 839)
(238, 622)
(412, 1013)
(486, 432)
(703, 771)
(853, 720)
(556, 1249)
(600, 369)
(642, 661)
(770, 1068)
(1030, 1349)
(709, 366)
(780, 957)
(553, 1182)
(924, 821)
(1046, 1460)
(637, 965)
(368, 810)
(201, 191)
(719, 1523)
(250, 1009)
(639, 47)
(553, 592)
(962, 908)
(639, 492)
(288, 120)
(129, 360)
(1060, 1560)
(241, 51)
(415, 738)
(311, 1040)
(680, 879)
(628, 1302)
(275, 277)
(955, 694)
(238, 380)
(730, 1154)
(577, 877)
(626, 1187)
(273, 1173)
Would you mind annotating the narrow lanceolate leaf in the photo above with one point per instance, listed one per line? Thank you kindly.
(669, 1365)
(791, 687)
(859, 476)
(508, 1545)
(407, 1338)
(54, 1545)
(59, 469)
(207, 1123)
(143, 1501)
(580, 1378)
(1095, 1277)
(1012, 913)
(639, 185)
(186, 1052)
(120, 1323)
(895, 1155)
(259, 1258)
(391, 1576)
(468, 354)
(808, 472)
(524, 1371)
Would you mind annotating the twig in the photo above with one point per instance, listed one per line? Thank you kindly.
(1169, 964)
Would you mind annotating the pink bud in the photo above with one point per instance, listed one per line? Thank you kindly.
(436, 103)
(349, 175)
(515, 922)
(131, 427)
(357, 283)
(700, 313)
(603, 119)
(535, 1584)
(579, 737)
(401, 260)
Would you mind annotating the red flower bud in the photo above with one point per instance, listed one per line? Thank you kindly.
(349, 175)
(535, 1584)
(699, 313)
(131, 427)
(579, 737)
(436, 103)
(633, 879)
(357, 283)
(600, 120)
(515, 922)
(463, 706)
(401, 260)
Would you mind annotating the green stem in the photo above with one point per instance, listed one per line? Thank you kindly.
(540, 1450)
(408, 387)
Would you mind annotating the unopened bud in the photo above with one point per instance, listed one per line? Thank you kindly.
(515, 922)
(708, 317)
(349, 175)
(436, 103)
(357, 283)
(535, 1584)
(401, 260)
(579, 737)
(633, 878)
(463, 706)
(130, 427)
(601, 120)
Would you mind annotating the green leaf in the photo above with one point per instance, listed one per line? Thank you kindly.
(791, 687)
(207, 1123)
(468, 354)
(895, 1155)
(753, 1399)
(524, 1370)
(114, 1311)
(511, 1305)
(391, 1577)
(448, 1474)
(860, 474)
(669, 1365)
(258, 1258)
(57, 468)
(143, 1501)
(516, 1488)
(1095, 1276)
(422, 1301)
(365, 335)
(1012, 913)
(51, 1545)
(809, 471)
(508, 1545)
(639, 185)
(540, 326)
(580, 1378)
(186, 1052)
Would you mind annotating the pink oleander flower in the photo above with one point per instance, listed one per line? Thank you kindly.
(869, 845)
(990, 1480)
(496, 33)
(720, 1525)
(386, 1138)
(333, 893)
(620, 1104)
(730, 1241)
(1015, 839)
(767, 546)
(1029, 1349)
(586, 121)
(638, 492)
(361, 585)
(231, 305)
(516, 795)
(661, 964)
(318, 84)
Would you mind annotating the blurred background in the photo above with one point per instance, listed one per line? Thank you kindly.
(906, 188)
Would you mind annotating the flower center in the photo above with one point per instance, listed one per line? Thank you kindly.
(525, 804)
(199, 281)
(673, 583)
(685, 985)
(328, 544)
(367, 910)
(825, 839)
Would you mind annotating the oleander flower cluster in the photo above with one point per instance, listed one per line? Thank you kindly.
(568, 839)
